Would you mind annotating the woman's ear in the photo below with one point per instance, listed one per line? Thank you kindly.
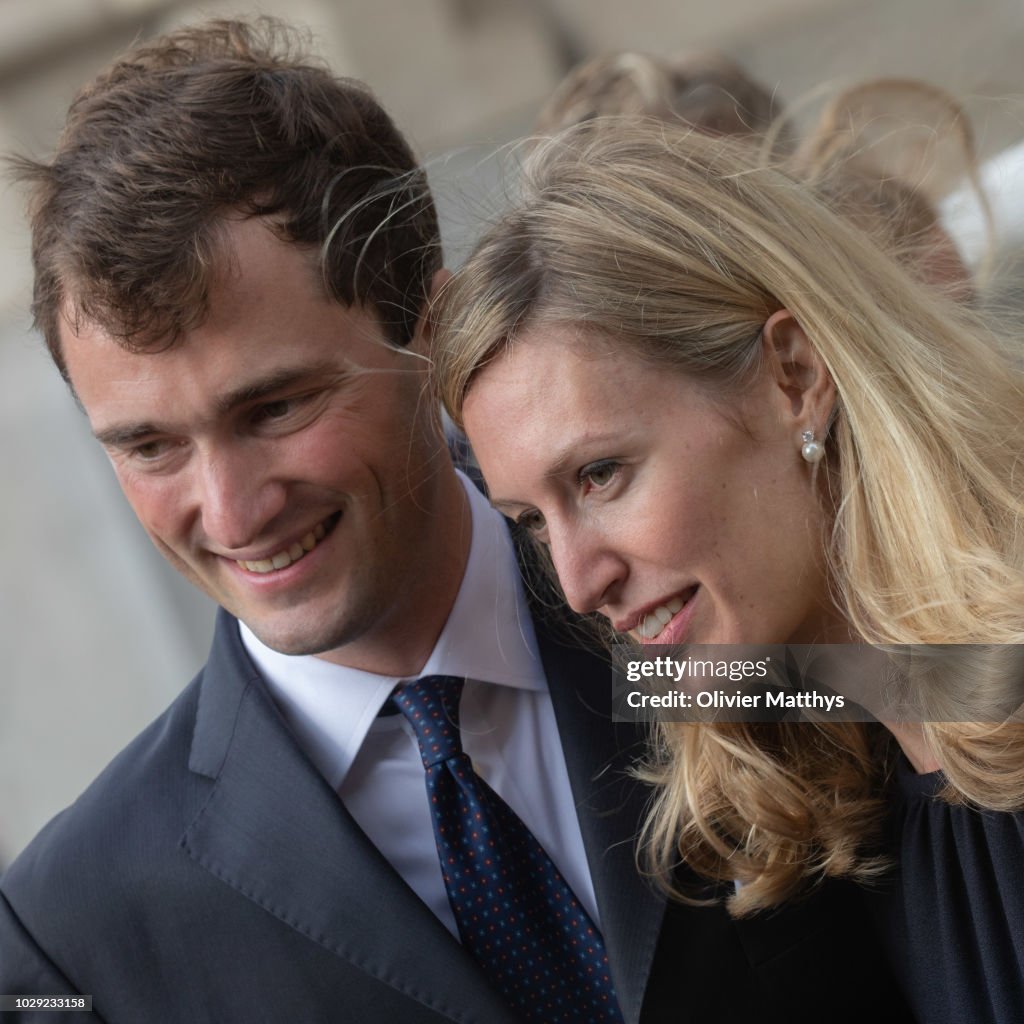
(804, 386)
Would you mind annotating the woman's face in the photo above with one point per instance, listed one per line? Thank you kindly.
(677, 516)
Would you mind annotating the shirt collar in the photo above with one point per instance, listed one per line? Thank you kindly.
(489, 636)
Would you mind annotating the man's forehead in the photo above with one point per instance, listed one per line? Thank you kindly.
(241, 321)
(119, 425)
(242, 254)
(237, 239)
(209, 375)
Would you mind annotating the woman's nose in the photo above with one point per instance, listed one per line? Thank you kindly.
(590, 569)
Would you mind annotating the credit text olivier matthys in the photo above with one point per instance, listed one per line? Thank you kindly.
(739, 699)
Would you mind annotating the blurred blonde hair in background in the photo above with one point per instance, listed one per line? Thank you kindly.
(885, 150)
(707, 90)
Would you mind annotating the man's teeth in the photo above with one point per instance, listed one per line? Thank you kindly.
(282, 559)
(656, 621)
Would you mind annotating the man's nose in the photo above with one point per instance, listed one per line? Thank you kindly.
(239, 496)
(589, 566)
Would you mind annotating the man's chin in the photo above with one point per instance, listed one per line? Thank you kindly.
(297, 640)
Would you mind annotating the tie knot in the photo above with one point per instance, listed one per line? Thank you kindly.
(431, 706)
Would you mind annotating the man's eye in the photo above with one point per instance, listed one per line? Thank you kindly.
(274, 410)
(150, 451)
(293, 410)
(599, 474)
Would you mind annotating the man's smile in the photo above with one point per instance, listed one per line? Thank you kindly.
(292, 553)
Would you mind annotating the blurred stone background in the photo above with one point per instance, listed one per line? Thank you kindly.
(97, 635)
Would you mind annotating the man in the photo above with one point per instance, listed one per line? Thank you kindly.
(234, 255)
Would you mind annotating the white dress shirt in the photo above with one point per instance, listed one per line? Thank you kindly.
(508, 725)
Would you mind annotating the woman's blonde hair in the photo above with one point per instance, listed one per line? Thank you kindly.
(681, 246)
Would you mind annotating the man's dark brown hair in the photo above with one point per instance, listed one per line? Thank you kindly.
(226, 116)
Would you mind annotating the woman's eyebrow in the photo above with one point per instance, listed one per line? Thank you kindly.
(507, 506)
(563, 458)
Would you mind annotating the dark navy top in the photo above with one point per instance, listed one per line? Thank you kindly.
(954, 913)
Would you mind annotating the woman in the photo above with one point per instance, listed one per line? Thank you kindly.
(730, 417)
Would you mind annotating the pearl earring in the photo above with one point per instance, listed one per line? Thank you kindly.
(812, 451)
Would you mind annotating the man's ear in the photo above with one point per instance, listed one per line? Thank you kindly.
(806, 391)
(422, 338)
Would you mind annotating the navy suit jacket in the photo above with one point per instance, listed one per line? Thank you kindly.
(210, 874)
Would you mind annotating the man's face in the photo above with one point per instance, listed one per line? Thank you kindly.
(282, 458)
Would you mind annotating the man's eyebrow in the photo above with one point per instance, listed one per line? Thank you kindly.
(279, 380)
(124, 435)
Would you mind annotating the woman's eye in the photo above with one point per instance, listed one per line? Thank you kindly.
(599, 474)
(531, 520)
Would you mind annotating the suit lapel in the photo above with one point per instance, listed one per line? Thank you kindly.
(610, 806)
(275, 831)
(278, 834)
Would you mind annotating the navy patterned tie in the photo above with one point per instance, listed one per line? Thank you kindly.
(515, 912)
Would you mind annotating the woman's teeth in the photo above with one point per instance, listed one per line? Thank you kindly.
(654, 622)
(282, 559)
